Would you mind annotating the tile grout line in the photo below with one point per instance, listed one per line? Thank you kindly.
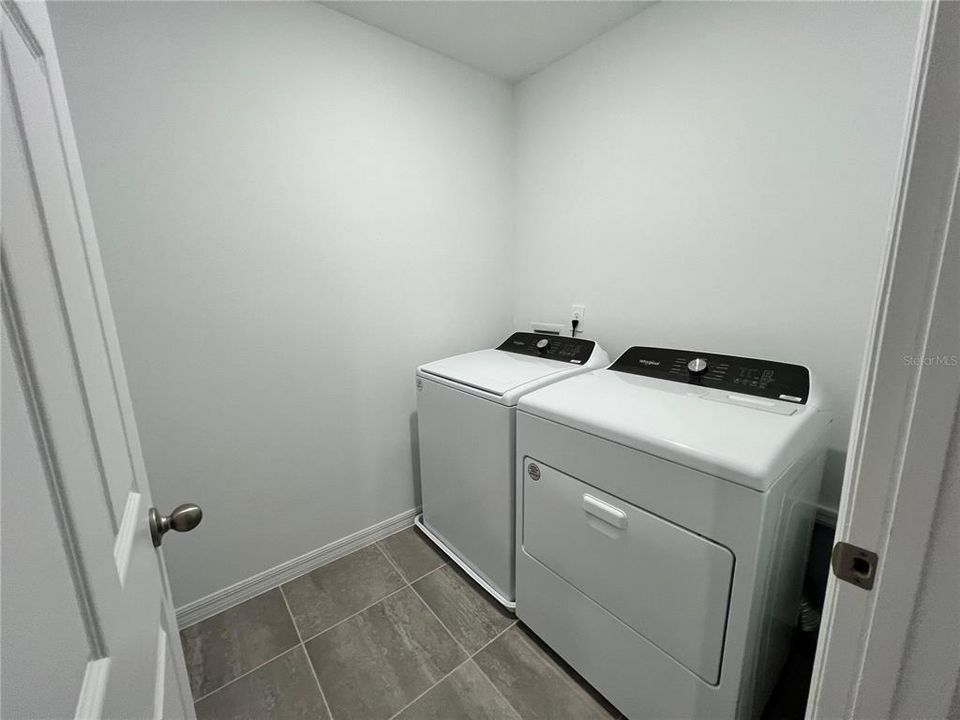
(393, 564)
(430, 609)
(457, 667)
(443, 564)
(470, 657)
(493, 684)
(437, 618)
(406, 584)
(554, 667)
(484, 646)
(489, 679)
(303, 642)
(313, 670)
(286, 604)
(430, 572)
(350, 617)
(243, 675)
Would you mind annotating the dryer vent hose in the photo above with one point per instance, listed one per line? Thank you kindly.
(809, 615)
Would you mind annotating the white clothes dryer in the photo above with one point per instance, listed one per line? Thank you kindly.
(664, 514)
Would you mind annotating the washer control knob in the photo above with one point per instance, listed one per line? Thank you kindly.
(697, 366)
(542, 345)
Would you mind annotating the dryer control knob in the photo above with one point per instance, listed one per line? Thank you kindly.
(542, 345)
(697, 366)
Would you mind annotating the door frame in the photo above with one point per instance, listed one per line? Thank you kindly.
(34, 16)
(907, 398)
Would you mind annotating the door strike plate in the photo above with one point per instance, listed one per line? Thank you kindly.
(855, 565)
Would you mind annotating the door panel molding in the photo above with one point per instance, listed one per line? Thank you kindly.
(10, 59)
(13, 327)
(23, 28)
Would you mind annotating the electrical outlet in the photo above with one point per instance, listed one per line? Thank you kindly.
(577, 312)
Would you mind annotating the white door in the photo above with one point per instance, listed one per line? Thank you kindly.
(902, 425)
(87, 624)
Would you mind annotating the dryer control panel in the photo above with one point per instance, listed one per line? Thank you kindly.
(763, 378)
(553, 347)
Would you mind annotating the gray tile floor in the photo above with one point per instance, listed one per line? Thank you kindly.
(390, 631)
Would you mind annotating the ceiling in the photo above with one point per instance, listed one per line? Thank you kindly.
(507, 39)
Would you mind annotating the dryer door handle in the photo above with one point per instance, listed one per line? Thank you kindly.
(604, 511)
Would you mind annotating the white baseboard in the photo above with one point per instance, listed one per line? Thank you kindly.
(210, 605)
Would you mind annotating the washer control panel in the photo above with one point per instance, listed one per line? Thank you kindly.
(763, 378)
(554, 347)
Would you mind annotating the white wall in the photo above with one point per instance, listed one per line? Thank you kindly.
(719, 176)
(295, 209)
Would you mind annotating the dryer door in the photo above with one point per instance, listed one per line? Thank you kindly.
(670, 585)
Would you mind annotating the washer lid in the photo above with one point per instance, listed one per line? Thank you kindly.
(704, 429)
(494, 371)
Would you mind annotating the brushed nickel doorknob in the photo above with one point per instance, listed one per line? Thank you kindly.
(184, 518)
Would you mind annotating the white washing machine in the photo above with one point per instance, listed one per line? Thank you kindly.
(466, 408)
(664, 518)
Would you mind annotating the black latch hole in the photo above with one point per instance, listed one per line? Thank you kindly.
(861, 567)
